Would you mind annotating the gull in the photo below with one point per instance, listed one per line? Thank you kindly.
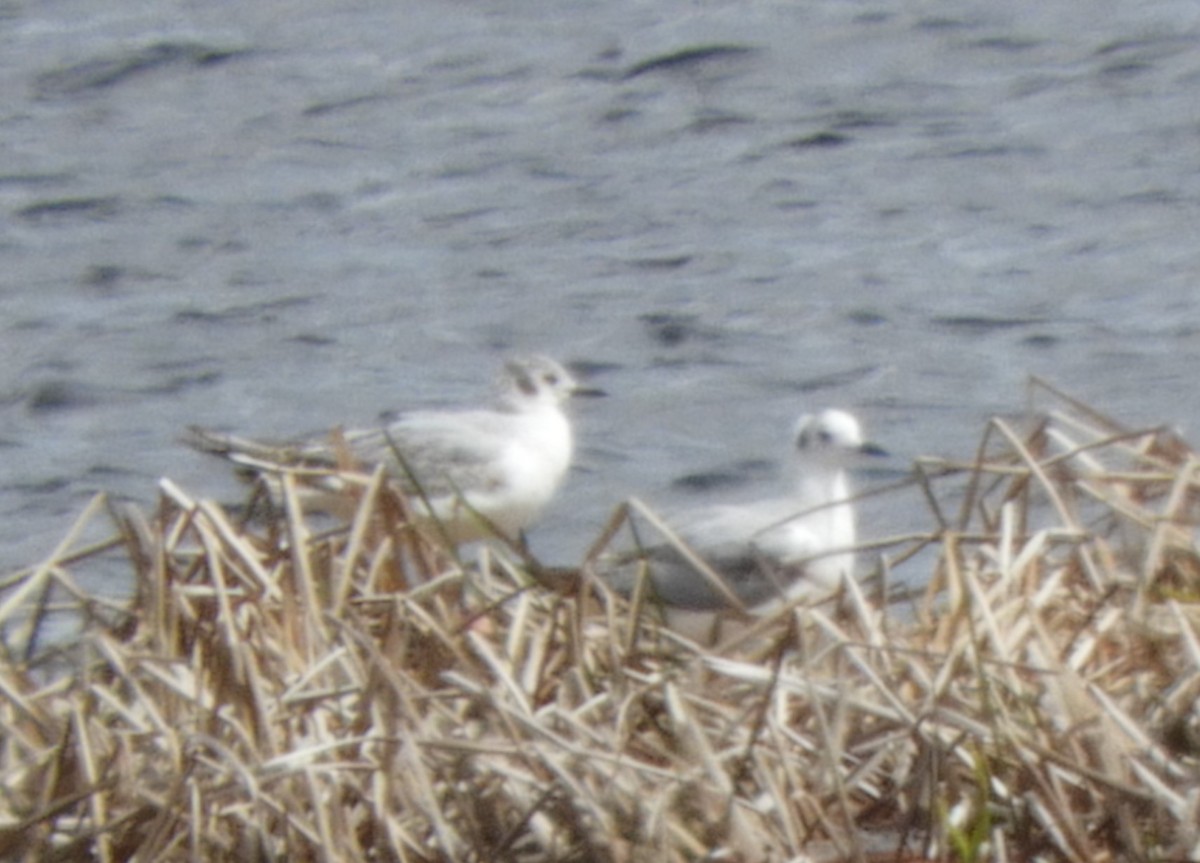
(764, 553)
(476, 471)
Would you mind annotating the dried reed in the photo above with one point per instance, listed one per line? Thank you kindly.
(272, 691)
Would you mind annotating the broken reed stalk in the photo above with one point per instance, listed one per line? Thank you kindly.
(274, 691)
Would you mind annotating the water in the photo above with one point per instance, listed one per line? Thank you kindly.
(278, 217)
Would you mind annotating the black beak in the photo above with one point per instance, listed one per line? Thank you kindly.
(873, 449)
(587, 393)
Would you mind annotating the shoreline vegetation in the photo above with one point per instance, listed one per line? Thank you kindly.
(277, 690)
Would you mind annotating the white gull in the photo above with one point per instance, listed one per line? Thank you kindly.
(503, 463)
(767, 552)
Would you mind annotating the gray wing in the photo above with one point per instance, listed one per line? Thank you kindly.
(446, 452)
(675, 581)
(755, 550)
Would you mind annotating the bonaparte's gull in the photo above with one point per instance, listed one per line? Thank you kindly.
(504, 463)
(765, 552)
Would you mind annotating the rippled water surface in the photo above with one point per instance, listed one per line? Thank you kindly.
(278, 217)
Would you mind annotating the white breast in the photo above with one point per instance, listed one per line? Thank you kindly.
(533, 466)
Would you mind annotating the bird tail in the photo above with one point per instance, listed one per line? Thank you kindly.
(243, 451)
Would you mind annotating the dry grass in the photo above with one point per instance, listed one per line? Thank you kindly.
(275, 693)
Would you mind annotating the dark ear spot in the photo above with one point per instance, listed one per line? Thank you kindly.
(525, 384)
(814, 437)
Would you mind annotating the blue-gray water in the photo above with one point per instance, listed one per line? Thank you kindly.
(280, 216)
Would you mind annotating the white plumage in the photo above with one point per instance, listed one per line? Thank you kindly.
(766, 552)
(503, 463)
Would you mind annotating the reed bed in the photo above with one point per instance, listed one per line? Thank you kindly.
(279, 690)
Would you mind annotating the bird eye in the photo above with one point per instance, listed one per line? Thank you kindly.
(552, 379)
(824, 436)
